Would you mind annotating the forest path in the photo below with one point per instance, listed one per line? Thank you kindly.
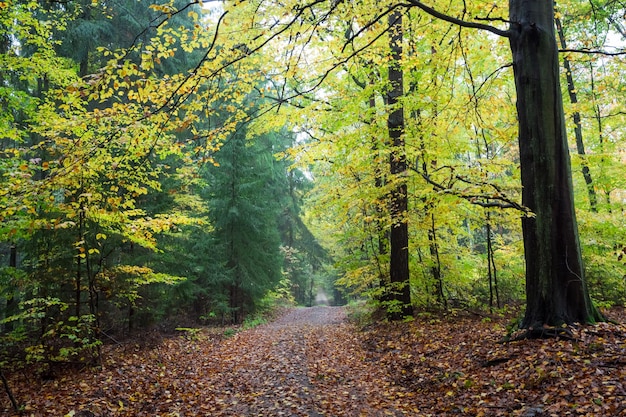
(307, 363)
(310, 362)
(313, 362)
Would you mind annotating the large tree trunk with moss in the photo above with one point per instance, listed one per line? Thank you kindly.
(555, 283)
(398, 291)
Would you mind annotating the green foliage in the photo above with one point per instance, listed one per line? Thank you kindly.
(124, 281)
(603, 237)
(150, 167)
(77, 174)
(230, 332)
(245, 222)
(190, 333)
(253, 321)
(279, 296)
(69, 340)
(360, 313)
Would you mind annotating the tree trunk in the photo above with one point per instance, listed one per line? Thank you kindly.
(578, 130)
(598, 118)
(435, 268)
(382, 234)
(492, 273)
(10, 303)
(7, 389)
(556, 291)
(400, 291)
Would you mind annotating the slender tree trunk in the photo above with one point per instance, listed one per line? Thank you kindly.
(578, 130)
(9, 304)
(292, 194)
(598, 116)
(79, 264)
(399, 234)
(491, 266)
(435, 268)
(7, 389)
(556, 291)
(382, 235)
(311, 293)
(233, 262)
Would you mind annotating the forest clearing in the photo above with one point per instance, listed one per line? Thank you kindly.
(314, 362)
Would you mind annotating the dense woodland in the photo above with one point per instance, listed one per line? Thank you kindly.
(179, 163)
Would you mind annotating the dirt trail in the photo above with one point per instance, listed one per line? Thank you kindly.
(307, 363)
(312, 362)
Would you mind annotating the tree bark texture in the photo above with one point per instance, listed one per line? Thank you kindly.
(400, 291)
(555, 284)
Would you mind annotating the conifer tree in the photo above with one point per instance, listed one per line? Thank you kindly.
(244, 213)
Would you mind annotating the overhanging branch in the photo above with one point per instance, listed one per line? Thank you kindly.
(460, 22)
(496, 199)
(592, 52)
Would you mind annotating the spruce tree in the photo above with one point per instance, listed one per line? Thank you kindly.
(245, 214)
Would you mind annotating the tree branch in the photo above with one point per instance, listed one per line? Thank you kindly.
(498, 199)
(369, 24)
(460, 22)
(592, 52)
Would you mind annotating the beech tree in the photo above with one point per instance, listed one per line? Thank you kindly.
(556, 290)
(399, 290)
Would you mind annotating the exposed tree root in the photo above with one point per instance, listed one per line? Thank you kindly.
(545, 332)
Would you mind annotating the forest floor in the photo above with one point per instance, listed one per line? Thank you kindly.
(314, 362)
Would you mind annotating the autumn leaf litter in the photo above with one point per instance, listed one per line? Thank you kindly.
(314, 362)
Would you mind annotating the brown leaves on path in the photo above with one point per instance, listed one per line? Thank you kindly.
(312, 362)
(307, 363)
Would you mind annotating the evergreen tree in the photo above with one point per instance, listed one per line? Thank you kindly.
(245, 213)
(304, 257)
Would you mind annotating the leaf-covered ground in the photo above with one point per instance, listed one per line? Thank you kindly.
(313, 362)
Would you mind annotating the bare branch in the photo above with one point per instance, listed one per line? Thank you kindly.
(370, 24)
(460, 22)
(592, 52)
(497, 199)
